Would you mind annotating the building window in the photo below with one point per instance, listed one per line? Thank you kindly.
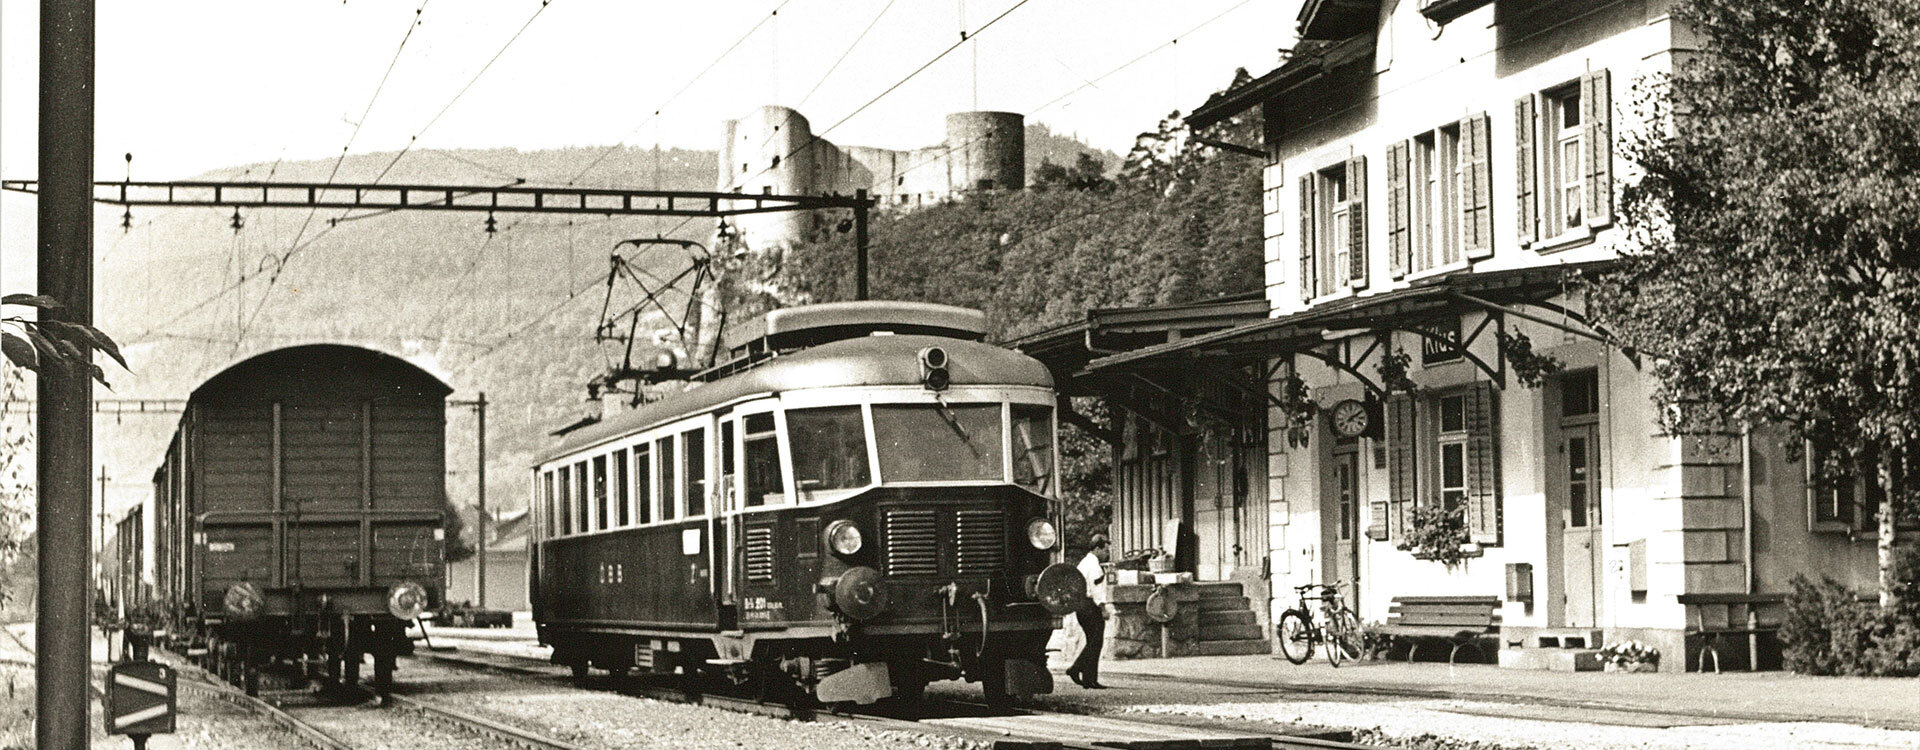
(1840, 495)
(1333, 238)
(1442, 450)
(1564, 180)
(1580, 393)
(1565, 158)
(1451, 449)
(1336, 243)
(1438, 192)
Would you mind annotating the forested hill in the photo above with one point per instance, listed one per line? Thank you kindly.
(510, 313)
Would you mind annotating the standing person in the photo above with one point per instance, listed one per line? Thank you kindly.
(1092, 617)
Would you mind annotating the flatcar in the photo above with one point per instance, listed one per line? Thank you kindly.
(857, 504)
(297, 516)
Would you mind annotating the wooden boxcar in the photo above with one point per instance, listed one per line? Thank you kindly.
(858, 504)
(298, 513)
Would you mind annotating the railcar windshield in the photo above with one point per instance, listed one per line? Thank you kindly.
(1033, 447)
(829, 448)
(939, 442)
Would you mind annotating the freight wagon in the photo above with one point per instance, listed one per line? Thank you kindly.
(298, 513)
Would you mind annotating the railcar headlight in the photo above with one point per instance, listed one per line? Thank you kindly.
(1041, 534)
(244, 601)
(406, 600)
(844, 538)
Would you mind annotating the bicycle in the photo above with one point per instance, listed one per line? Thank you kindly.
(1299, 630)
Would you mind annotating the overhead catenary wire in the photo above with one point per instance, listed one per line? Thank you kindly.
(608, 151)
(281, 262)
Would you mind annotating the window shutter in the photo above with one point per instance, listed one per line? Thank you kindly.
(1476, 220)
(1401, 469)
(1483, 465)
(1399, 205)
(1307, 227)
(1596, 121)
(1523, 157)
(1357, 221)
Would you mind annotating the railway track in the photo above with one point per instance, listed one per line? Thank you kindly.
(1014, 729)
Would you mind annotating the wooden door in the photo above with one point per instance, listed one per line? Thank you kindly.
(1581, 548)
(1342, 513)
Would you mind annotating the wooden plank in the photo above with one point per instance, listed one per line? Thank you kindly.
(1488, 600)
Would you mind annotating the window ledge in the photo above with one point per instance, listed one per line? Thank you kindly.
(1568, 240)
(1460, 265)
(1334, 297)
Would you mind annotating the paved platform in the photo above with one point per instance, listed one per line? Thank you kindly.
(1744, 696)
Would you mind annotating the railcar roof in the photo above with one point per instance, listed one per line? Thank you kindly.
(295, 368)
(865, 361)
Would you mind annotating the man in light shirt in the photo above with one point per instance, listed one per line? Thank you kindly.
(1092, 617)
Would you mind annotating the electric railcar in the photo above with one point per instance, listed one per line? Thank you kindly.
(297, 514)
(857, 505)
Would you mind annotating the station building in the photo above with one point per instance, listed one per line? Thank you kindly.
(1435, 173)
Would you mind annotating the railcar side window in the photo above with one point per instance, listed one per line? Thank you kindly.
(643, 480)
(552, 522)
(829, 447)
(622, 515)
(938, 442)
(664, 449)
(599, 493)
(1033, 447)
(696, 477)
(765, 484)
(566, 500)
(582, 512)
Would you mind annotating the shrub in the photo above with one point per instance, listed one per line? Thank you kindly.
(1830, 630)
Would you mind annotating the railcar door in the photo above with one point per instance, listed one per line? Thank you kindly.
(724, 527)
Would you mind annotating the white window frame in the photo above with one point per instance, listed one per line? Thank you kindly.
(1564, 181)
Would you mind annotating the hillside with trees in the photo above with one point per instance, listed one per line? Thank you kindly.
(1177, 222)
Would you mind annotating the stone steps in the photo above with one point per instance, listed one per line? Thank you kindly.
(1227, 617)
(1219, 589)
(1230, 632)
(1224, 604)
(1232, 648)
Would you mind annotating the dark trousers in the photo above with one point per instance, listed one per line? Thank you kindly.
(1094, 622)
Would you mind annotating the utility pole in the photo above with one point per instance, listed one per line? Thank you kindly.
(100, 540)
(860, 243)
(64, 451)
(480, 471)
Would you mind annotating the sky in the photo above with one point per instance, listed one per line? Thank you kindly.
(193, 85)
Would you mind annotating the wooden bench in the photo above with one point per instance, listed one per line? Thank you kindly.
(1714, 617)
(1460, 620)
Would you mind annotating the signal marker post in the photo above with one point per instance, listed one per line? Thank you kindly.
(141, 695)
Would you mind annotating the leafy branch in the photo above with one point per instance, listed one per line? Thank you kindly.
(1393, 369)
(1529, 368)
(39, 345)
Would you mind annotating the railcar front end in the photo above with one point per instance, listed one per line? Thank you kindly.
(855, 519)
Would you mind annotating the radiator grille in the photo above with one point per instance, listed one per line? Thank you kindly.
(928, 542)
(980, 541)
(759, 553)
(913, 542)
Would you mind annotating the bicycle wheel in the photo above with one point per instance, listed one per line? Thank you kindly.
(1296, 637)
(1343, 637)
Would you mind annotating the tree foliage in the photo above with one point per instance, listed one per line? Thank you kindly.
(1773, 265)
(1178, 222)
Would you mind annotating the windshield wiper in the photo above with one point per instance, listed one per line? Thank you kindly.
(947, 414)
